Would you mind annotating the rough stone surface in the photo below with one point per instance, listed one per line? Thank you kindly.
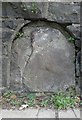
(8, 10)
(46, 113)
(64, 12)
(8, 29)
(42, 60)
(37, 10)
(13, 14)
(28, 113)
(6, 34)
(75, 29)
(53, 11)
(67, 114)
(11, 23)
(41, 113)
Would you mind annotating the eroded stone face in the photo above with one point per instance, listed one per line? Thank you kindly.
(44, 60)
(61, 12)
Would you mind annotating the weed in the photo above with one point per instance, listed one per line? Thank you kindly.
(34, 8)
(45, 103)
(60, 100)
(63, 101)
(19, 35)
(31, 100)
(71, 39)
(7, 94)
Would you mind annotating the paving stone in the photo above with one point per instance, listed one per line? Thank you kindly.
(28, 113)
(43, 113)
(66, 114)
(77, 113)
(81, 112)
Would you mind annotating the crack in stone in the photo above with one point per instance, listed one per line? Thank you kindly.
(56, 114)
(74, 113)
(38, 112)
(32, 49)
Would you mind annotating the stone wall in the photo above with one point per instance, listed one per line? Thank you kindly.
(37, 49)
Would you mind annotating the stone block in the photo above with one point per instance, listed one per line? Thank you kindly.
(44, 58)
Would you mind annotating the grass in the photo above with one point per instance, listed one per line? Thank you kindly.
(60, 100)
(45, 102)
(31, 100)
(63, 101)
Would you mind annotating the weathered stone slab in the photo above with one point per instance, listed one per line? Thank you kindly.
(9, 10)
(42, 60)
(67, 114)
(75, 29)
(11, 23)
(6, 35)
(34, 10)
(62, 12)
(46, 113)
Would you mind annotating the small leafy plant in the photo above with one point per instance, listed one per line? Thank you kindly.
(71, 39)
(63, 101)
(31, 100)
(45, 103)
(34, 8)
(19, 35)
(7, 94)
(59, 100)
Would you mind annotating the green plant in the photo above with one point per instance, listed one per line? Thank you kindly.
(15, 102)
(7, 94)
(45, 103)
(19, 35)
(59, 100)
(34, 8)
(63, 101)
(71, 39)
(31, 100)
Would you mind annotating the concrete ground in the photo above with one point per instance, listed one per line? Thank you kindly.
(39, 113)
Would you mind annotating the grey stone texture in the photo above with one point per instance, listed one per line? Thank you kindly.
(40, 113)
(53, 11)
(75, 29)
(59, 12)
(42, 59)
